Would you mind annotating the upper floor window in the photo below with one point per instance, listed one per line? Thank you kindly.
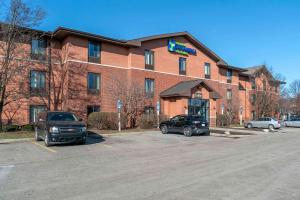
(229, 94)
(37, 80)
(149, 87)
(93, 83)
(253, 83)
(94, 52)
(149, 110)
(149, 59)
(182, 66)
(229, 75)
(207, 70)
(264, 85)
(38, 49)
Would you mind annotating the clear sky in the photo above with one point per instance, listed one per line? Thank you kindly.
(244, 33)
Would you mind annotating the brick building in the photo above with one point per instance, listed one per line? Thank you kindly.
(176, 70)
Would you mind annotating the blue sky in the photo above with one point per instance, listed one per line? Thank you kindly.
(244, 33)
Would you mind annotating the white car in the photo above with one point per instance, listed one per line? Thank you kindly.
(263, 122)
(295, 122)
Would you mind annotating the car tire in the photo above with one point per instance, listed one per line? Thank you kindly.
(187, 131)
(164, 129)
(47, 141)
(36, 135)
(249, 125)
(82, 142)
(271, 127)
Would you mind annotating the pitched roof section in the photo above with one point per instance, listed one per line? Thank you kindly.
(184, 89)
(191, 38)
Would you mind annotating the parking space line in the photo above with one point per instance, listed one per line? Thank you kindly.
(44, 147)
(106, 145)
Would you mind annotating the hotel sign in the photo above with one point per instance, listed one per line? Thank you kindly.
(180, 48)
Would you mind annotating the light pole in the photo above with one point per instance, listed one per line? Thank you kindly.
(157, 111)
(119, 106)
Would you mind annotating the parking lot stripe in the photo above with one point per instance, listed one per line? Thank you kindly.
(44, 147)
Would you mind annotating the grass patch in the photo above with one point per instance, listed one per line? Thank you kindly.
(16, 135)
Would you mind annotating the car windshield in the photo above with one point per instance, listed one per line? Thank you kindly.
(61, 117)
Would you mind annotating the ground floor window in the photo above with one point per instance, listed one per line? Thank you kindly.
(149, 110)
(34, 110)
(91, 109)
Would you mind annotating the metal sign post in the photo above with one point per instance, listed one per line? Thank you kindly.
(119, 106)
(157, 110)
(222, 111)
(241, 115)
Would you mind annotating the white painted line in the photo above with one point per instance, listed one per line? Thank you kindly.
(44, 147)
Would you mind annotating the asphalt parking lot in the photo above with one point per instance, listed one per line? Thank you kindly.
(155, 166)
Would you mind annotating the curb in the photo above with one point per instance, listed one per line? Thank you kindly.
(128, 133)
(8, 141)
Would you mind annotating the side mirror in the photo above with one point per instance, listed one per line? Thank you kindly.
(80, 119)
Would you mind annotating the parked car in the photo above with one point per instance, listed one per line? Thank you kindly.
(59, 127)
(186, 124)
(263, 122)
(294, 122)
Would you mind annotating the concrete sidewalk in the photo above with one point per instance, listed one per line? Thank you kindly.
(235, 131)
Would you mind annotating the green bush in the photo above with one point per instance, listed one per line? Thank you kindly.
(27, 127)
(10, 128)
(106, 120)
(223, 120)
(147, 121)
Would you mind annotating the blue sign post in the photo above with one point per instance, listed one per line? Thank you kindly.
(157, 111)
(119, 106)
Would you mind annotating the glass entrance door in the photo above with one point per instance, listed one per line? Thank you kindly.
(199, 107)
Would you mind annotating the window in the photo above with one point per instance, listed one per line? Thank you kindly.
(253, 98)
(34, 111)
(149, 87)
(182, 66)
(91, 109)
(149, 110)
(38, 49)
(93, 83)
(149, 59)
(276, 88)
(253, 83)
(94, 52)
(229, 94)
(207, 70)
(264, 85)
(37, 79)
(229, 75)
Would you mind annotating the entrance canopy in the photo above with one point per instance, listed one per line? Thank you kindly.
(184, 89)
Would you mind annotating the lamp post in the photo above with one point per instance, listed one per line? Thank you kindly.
(222, 112)
(157, 111)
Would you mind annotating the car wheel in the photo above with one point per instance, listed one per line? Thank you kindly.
(47, 141)
(164, 129)
(36, 135)
(187, 131)
(271, 127)
(249, 125)
(83, 141)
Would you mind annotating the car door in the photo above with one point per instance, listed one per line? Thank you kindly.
(179, 124)
(297, 122)
(172, 124)
(257, 123)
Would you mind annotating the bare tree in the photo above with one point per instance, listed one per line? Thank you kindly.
(294, 89)
(132, 96)
(14, 33)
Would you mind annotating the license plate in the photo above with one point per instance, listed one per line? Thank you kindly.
(203, 124)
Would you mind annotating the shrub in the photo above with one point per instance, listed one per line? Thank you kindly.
(223, 120)
(105, 120)
(27, 127)
(147, 121)
(10, 128)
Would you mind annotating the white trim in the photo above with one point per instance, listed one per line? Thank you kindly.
(148, 70)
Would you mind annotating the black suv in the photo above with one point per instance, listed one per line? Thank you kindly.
(59, 127)
(186, 124)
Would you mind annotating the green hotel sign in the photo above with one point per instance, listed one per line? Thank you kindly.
(180, 48)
